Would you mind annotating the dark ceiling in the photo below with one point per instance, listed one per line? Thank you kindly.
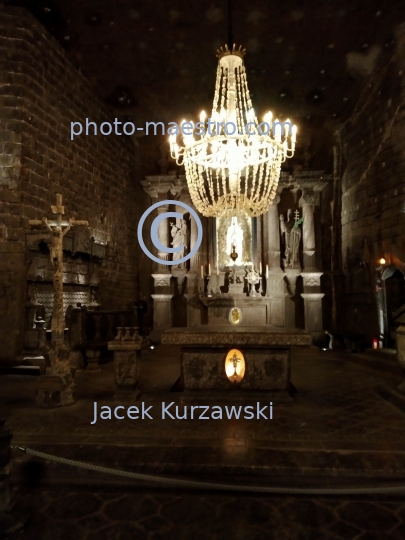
(155, 60)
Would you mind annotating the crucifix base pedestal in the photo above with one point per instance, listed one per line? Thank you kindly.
(56, 388)
(127, 360)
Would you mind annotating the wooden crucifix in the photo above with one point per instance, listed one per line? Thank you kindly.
(58, 227)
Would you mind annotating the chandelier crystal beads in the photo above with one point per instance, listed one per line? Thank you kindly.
(233, 162)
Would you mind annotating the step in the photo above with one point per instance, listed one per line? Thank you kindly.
(201, 461)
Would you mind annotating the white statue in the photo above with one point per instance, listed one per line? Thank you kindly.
(292, 235)
(180, 239)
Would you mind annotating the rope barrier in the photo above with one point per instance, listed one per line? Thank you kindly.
(176, 482)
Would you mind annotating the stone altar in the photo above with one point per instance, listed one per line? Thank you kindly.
(269, 267)
(262, 356)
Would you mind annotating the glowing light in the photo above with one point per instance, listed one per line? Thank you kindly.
(235, 366)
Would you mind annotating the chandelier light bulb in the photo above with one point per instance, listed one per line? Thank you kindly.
(267, 117)
(233, 167)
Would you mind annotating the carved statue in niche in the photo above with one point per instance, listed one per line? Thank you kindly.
(179, 234)
(224, 236)
(292, 236)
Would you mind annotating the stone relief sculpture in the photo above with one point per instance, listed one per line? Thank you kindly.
(292, 236)
(179, 234)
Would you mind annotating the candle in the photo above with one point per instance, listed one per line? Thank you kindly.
(267, 270)
(260, 268)
(217, 270)
(202, 272)
(209, 269)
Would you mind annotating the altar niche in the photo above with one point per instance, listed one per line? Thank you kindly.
(233, 235)
(269, 267)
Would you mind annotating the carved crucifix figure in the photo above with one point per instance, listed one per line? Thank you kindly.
(58, 227)
(235, 362)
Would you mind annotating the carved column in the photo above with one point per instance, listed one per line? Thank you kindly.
(162, 309)
(274, 236)
(191, 291)
(158, 187)
(275, 279)
(163, 234)
(194, 306)
(308, 201)
(311, 277)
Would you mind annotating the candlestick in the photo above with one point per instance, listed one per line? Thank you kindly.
(202, 272)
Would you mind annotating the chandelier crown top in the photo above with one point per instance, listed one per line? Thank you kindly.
(225, 51)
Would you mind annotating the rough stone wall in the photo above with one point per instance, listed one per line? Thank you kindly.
(40, 94)
(372, 158)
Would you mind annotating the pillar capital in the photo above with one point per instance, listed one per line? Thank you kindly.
(309, 197)
(163, 186)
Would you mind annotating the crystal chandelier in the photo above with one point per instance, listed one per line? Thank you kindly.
(233, 162)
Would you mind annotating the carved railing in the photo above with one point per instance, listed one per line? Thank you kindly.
(90, 331)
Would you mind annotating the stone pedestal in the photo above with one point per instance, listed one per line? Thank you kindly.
(290, 298)
(313, 314)
(127, 360)
(265, 352)
(162, 304)
(275, 293)
(313, 304)
(56, 388)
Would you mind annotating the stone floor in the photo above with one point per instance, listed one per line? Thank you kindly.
(336, 430)
(169, 515)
